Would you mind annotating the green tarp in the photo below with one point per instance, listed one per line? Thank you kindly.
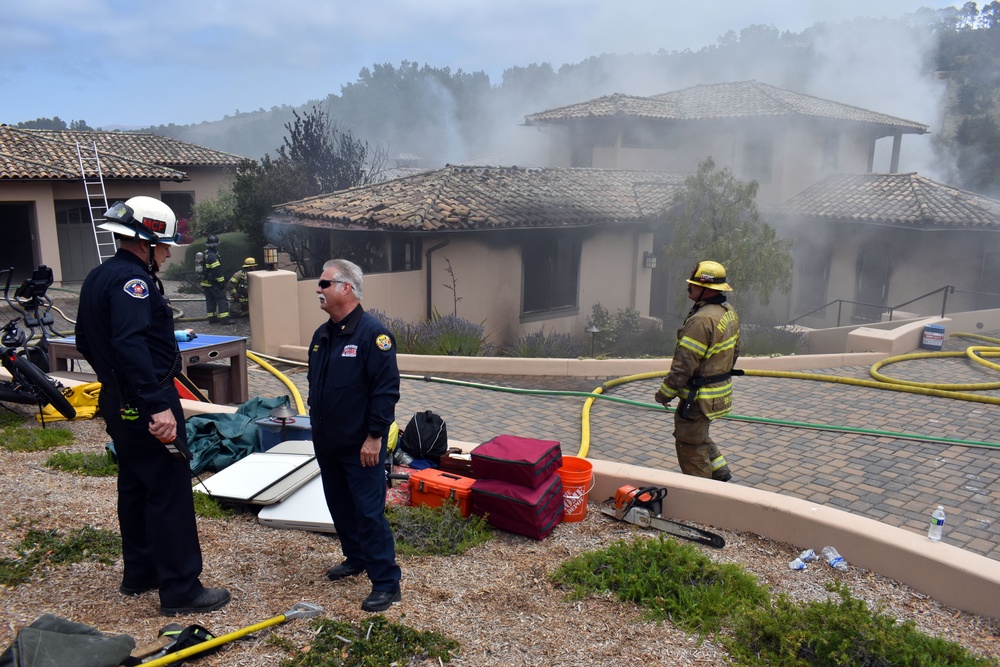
(218, 440)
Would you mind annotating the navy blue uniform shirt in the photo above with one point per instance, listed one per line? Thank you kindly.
(125, 325)
(353, 381)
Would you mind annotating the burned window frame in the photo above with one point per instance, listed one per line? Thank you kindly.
(550, 272)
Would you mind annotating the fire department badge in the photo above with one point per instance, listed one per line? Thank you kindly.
(383, 342)
(137, 289)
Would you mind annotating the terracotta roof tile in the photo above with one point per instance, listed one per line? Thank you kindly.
(743, 99)
(472, 197)
(30, 155)
(908, 200)
(150, 148)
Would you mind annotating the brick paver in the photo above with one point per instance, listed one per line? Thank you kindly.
(896, 480)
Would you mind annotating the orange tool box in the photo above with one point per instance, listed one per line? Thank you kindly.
(432, 486)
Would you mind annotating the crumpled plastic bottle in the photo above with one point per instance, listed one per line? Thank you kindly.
(834, 559)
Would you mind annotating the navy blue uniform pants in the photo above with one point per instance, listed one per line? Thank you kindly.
(355, 496)
(155, 508)
(215, 301)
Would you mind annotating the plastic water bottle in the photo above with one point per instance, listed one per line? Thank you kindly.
(807, 556)
(797, 564)
(937, 525)
(834, 559)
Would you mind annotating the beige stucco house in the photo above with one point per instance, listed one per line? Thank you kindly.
(873, 238)
(44, 207)
(520, 250)
(537, 248)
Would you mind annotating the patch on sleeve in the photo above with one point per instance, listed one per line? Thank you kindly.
(383, 342)
(136, 288)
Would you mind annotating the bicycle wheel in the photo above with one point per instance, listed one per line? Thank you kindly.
(43, 386)
(9, 393)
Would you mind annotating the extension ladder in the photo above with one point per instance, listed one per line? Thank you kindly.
(97, 201)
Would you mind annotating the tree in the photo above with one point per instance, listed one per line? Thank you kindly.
(316, 158)
(716, 218)
(214, 216)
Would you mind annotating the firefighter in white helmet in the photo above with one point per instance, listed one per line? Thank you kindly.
(125, 330)
(708, 345)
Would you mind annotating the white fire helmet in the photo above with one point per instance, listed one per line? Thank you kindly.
(143, 218)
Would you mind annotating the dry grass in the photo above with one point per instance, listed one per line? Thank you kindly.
(495, 600)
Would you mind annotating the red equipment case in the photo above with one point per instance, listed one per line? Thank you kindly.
(432, 486)
(511, 458)
(532, 512)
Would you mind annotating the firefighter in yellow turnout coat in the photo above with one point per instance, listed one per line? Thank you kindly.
(708, 344)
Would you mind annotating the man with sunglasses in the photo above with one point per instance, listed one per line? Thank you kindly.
(708, 344)
(125, 330)
(353, 390)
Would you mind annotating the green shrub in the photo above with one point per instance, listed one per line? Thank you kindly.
(673, 581)
(540, 344)
(769, 339)
(234, 247)
(623, 334)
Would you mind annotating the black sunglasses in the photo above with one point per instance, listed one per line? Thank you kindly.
(324, 283)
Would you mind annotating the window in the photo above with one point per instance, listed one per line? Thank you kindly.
(989, 285)
(551, 268)
(831, 149)
(758, 154)
(181, 203)
(812, 265)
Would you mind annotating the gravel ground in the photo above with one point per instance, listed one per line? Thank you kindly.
(495, 600)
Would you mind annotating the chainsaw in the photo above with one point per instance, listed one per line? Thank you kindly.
(642, 507)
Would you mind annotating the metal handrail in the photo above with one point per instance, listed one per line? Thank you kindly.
(840, 303)
(946, 290)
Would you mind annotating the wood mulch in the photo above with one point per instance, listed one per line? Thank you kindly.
(495, 600)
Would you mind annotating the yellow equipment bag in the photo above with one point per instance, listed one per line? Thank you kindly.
(83, 397)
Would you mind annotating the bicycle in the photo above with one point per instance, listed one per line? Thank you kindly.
(33, 307)
(28, 384)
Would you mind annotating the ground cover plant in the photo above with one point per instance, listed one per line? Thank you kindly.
(370, 642)
(436, 531)
(40, 548)
(15, 436)
(90, 464)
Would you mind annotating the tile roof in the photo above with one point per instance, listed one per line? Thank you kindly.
(907, 200)
(150, 148)
(472, 197)
(742, 99)
(30, 155)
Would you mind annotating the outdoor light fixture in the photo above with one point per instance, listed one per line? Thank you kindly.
(648, 260)
(271, 257)
(593, 331)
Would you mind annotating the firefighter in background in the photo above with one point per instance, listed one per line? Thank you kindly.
(213, 283)
(239, 290)
(700, 377)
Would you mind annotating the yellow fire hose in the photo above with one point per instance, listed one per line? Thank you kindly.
(299, 405)
(298, 610)
(956, 391)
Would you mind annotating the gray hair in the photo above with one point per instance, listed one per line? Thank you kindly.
(349, 272)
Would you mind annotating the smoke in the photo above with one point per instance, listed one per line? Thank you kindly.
(883, 66)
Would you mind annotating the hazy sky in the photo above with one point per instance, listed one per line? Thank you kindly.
(140, 63)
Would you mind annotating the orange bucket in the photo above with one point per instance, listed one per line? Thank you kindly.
(577, 476)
